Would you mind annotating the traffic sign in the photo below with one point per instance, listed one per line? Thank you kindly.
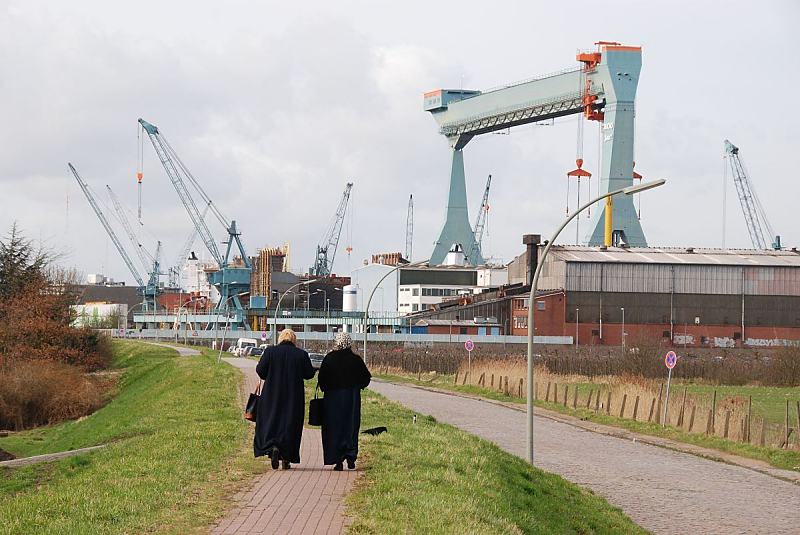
(194, 333)
(670, 359)
(469, 345)
(264, 336)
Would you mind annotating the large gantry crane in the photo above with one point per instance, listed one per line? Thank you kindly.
(150, 290)
(232, 281)
(603, 89)
(761, 233)
(326, 251)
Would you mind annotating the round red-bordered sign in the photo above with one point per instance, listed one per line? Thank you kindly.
(671, 359)
(469, 345)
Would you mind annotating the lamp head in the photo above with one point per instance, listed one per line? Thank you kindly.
(630, 190)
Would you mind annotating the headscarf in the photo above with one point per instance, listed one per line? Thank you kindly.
(287, 335)
(342, 341)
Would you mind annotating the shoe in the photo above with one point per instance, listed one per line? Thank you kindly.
(338, 467)
(275, 456)
(286, 465)
(351, 464)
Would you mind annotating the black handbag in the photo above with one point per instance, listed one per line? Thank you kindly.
(316, 408)
(252, 404)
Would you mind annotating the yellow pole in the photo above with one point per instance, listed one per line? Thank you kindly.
(609, 225)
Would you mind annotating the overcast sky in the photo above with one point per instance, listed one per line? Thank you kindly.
(274, 106)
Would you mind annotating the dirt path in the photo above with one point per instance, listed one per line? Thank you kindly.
(662, 490)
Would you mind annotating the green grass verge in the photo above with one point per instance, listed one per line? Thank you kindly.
(176, 446)
(779, 458)
(434, 478)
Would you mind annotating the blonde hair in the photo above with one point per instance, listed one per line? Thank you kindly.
(287, 335)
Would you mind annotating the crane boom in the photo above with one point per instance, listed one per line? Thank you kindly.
(111, 234)
(409, 227)
(758, 226)
(173, 166)
(144, 256)
(480, 223)
(323, 264)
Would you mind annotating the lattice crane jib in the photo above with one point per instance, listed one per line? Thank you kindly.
(603, 89)
(480, 224)
(761, 234)
(326, 250)
(232, 281)
(409, 227)
(149, 298)
(144, 256)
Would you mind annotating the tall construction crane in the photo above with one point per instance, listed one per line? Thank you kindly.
(409, 227)
(147, 291)
(231, 281)
(326, 251)
(475, 254)
(144, 256)
(754, 214)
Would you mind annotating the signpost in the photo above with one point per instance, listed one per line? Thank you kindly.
(469, 345)
(264, 336)
(670, 359)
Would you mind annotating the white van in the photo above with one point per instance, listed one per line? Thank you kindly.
(242, 344)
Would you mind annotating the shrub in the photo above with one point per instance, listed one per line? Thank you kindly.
(38, 393)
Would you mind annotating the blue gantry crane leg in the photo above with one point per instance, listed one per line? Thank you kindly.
(232, 281)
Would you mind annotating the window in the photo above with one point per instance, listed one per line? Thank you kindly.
(462, 330)
(520, 322)
(539, 305)
(415, 308)
(665, 334)
(427, 292)
(424, 306)
(415, 292)
(520, 304)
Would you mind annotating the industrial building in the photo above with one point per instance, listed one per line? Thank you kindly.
(681, 296)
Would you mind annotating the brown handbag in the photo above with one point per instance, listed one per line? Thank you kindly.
(252, 403)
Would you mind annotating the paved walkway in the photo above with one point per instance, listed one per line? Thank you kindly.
(306, 499)
(662, 490)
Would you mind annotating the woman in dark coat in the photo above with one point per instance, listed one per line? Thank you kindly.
(282, 405)
(342, 376)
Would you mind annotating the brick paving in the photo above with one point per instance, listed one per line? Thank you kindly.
(662, 490)
(306, 499)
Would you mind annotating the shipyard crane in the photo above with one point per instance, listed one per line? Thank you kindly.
(326, 251)
(147, 291)
(231, 281)
(602, 89)
(480, 224)
(144, 257)
(409, 227)
(754, 214)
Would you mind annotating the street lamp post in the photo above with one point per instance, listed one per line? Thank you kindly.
(534, 283)
(278, 306)
(623, 329)
(227, 322)
(372, 293)
(577, 325)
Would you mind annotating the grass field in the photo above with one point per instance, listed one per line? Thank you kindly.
(430, 477)
(781, 458)
(177, 445)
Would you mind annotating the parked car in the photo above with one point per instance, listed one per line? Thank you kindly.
(255, 352)
(316, 359)
(242, 344)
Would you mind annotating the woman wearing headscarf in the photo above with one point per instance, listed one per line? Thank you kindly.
(282, 404)
(342, 376)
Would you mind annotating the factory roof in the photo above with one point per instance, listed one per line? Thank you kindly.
(677, 255)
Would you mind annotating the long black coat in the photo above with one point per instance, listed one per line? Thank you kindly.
(281, 407)
(342, 376)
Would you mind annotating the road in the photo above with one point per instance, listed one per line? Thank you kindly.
(662, 490)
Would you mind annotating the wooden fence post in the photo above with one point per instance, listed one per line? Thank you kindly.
(710, 422)
(506, 385)
(786, 427)
(520, 387)
(547, 393)
(589, 399)
(575, 398)
(797, 435)
(691, 418)
(482, 379)
(742, 428)
(635, 407)
(683, 407)
(597, 401)
(762, 440)
(659, 416)
(566, 393)
(622, 409)
(714, 413)
(652, 407)
(749, 416)
(455, 381)
(492, 382)
(464, 381)
(727, 420)
(608, 403)
(419, 371)
(555, 392)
